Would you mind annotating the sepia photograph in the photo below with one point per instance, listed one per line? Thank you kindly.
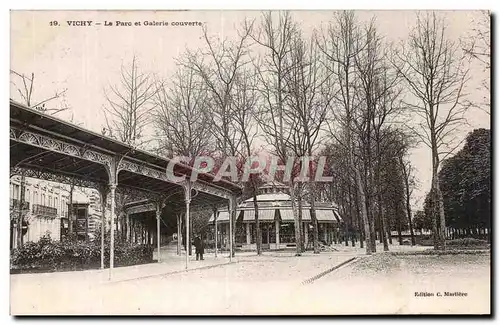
(250, 162)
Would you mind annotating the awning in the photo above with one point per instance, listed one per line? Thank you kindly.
(321, 215)
(286, 215)
(223, 216)
(326, 216)
(264, 215)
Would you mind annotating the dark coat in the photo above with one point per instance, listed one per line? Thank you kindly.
(199, 245)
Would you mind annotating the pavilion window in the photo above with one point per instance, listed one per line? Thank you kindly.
(272, 232)
(240, 233)
(287, 233)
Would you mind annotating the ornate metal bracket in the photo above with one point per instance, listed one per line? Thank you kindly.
(59, 146)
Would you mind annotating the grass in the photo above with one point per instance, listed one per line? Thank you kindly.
(455, 251)
(390, 262)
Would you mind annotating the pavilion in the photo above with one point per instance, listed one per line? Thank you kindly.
(276, 221)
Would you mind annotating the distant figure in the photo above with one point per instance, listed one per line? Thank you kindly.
(200, 249)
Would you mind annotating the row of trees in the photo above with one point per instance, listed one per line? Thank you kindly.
(466, 187)
(343, 91)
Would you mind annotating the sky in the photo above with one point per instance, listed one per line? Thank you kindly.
(87, 59)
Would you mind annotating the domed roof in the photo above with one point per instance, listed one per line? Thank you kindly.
(273, 184)
(271, 197)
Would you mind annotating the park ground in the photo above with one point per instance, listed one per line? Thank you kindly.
(274, 283)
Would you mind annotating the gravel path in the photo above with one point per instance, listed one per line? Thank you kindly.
(252, 285)
(270, 284)
(384, 284)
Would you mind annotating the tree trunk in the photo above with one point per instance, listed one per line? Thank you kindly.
(346, 232)
(407, 196)
(438, 206)
(296, 221)
(314, 220)
(400, 237)
(233, 234)
(353, 237)
(408, 211)
(434, 220)
(371, 223)
(369, 184)
(441, 216)
(364, 213)
(381, 216)
(299, 203)
(258, 240)
(359, 221)
(383, 224)
(368, 207)
(344, 210)
(315, 226)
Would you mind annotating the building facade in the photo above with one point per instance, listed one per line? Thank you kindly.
(45, 208)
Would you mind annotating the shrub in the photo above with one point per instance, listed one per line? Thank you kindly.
(467, 242)
(69, 254)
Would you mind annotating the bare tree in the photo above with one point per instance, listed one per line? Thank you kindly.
(341, 43)
(342, 191)
(244, 107)
(27, 89)
(387, 108)
(379, 93)
(478, 47)
(129, 104)
(309, 89)
(367, 62)
(218, 65)
(436, 73)
(275, 36)
(408, 175)
(127, 113)
(181, 120)
(26, 92)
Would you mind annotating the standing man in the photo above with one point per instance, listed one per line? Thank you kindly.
(200, 248)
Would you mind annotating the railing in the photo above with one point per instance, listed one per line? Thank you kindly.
(14, 203)
(44, 210)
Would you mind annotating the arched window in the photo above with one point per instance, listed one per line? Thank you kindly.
(27, 198)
